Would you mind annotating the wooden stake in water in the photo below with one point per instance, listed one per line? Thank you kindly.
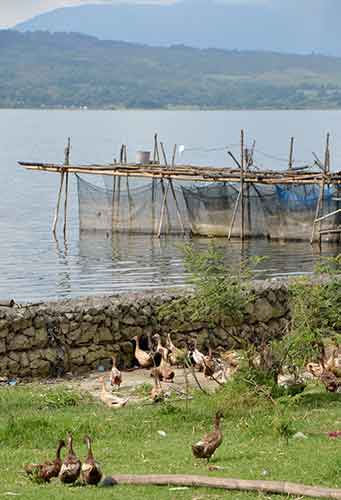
(319, 206)
(66, 163)
(242, 156)
(165, 193)
(62, 175)
(235, 210)
(156, 154)
(291, 153)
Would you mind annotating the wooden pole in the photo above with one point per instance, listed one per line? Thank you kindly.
(62, 175)
(156, 154)
(317, 213)
(165, 194)
(319, 206)
(291, 153)
(327, 155)
(66, 163)
(248, 166)
(277, 487)
(238, 198)
(55, 220)
(234, 214)
(178, 212)
(114, 203)
(242, 165)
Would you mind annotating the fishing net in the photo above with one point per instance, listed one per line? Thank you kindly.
(139, 206)
(129, 205)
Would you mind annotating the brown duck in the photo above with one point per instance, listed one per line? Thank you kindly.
(209, 364)
(116, 375)
(157, 395)
(144, 358)
(91, 472)
(210, 442)
(46, 471)
(71, 467)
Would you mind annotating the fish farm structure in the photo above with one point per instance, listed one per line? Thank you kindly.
(159, 197)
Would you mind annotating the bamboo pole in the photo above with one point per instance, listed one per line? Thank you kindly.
(317, 213)
(291, 154)
(319, 205)
(242, 165)
(156, 153)
(55, 220)
(234, 215)
(249, 163)
(279, 487)
(166, 190)
(66, 163)
(237, 201)
(178, 212)
(320, 219)
(327, 155)
(258, 177)
(114, 203)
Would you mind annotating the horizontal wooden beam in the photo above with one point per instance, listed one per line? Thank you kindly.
(190, 173)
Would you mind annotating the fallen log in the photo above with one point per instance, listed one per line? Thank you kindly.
(278, 487)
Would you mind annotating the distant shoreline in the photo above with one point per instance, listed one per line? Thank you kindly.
(170, 109)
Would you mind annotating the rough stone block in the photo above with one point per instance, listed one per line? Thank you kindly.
(4, 333)
(263, 311)
(104, 335)
(20, 343)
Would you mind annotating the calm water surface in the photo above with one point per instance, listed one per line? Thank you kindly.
(34, 266)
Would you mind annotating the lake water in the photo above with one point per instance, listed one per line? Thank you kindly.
(34, 266)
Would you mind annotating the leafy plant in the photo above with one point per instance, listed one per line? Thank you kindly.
(316, 319)
(221, 292)
(284, 426)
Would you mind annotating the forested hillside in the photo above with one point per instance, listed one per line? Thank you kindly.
(71, 70)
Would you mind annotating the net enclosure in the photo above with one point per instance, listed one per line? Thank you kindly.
(163, 206)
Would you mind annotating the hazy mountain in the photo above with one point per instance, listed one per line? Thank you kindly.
(40, 69)
(299, 26)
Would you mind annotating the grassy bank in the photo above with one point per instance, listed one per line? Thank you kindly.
(33, 418)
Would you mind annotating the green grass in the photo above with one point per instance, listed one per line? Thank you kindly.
(34, 417)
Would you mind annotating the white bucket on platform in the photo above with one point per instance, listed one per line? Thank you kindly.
(143, 157)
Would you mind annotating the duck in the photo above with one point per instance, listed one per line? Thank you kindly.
(91, 472)
(71, 467)
(175, 355)
(334, 363)
(116, 375)
(46, 471)
(328, 379)
(158, 347)
(196, 357)
(109, 399)
(209, 364)
(206, 447)
(164, 372)
(157, 395)
(144, 358)
(231, 359)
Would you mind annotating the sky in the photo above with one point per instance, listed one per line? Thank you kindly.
(15, 11)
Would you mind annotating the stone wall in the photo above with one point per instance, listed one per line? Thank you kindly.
(76, 336)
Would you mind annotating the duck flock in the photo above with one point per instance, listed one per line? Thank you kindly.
(71, 470)
(160, 360)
